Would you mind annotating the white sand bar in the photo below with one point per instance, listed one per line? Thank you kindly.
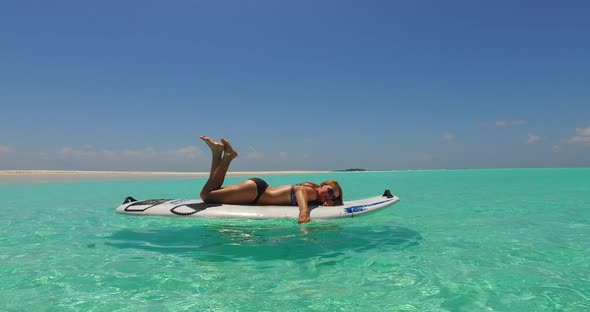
(8, 176)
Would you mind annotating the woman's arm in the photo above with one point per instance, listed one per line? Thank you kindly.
(302, 198)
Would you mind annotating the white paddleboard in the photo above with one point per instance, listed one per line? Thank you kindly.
(197, 208)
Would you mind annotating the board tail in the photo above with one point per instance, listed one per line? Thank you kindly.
(129, 199)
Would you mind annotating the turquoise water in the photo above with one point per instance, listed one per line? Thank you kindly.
(459, 240)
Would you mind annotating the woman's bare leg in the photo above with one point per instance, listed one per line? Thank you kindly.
(242, 193)
(217, 174)
(216, 151)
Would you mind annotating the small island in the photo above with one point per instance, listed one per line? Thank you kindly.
(351, 169)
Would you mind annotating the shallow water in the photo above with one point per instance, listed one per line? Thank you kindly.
(459, 240)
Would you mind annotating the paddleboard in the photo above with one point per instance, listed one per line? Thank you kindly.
(197, 208)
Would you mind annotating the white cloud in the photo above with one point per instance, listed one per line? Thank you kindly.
(89, 153)
(5, 149)
(145, 153)
(448, 136)
(556, 148)
(283, 154)
(533, 139)
(582, 136)
(252, 153)
(188, 152)
(426, 157)
(70, 152)
(580, 140)
(506, 123)
(88, 157)
(109, 154)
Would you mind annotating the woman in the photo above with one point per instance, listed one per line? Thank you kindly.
(255, 191)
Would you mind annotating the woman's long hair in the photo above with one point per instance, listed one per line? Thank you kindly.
(335, 186)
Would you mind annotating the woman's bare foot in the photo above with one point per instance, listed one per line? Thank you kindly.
(228, 150)
(216, 147)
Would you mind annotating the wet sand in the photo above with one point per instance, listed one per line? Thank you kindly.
(8, 176)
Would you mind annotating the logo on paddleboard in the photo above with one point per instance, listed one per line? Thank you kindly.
(355, 209)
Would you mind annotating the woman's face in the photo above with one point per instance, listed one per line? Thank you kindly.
(327, 194)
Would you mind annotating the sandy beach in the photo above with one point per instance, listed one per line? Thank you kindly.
(8, 176)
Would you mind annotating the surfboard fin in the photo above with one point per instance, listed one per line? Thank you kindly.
(387, 194)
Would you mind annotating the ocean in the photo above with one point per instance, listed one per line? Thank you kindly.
(459, 240)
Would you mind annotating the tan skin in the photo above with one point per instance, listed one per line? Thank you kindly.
(245, 192)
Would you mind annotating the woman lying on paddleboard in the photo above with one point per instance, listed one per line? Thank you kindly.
(256, 191)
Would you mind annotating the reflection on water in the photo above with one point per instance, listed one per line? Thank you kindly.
(266, 242)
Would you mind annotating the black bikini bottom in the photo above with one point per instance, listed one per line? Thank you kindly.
(261, 186)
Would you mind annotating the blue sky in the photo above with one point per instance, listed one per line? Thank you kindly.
(295, 85)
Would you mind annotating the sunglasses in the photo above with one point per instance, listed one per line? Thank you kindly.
(331, 193)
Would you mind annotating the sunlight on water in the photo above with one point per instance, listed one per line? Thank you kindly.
(461, 240)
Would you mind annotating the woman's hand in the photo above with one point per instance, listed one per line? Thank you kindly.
(304, 218)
